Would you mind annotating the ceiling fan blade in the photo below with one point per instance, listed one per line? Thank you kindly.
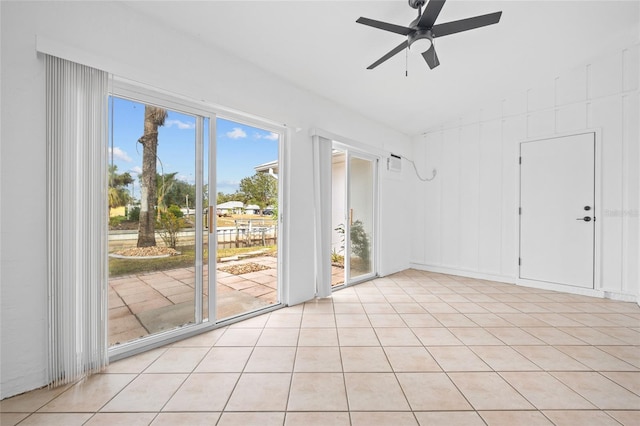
(453, 27)
(431, 57)
(431, 13)
(384, 26)
(393, 52)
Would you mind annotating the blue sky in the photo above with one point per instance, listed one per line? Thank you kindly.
(239, 147)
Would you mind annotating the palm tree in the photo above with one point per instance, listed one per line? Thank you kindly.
(118, 195)
(165, 183)
(154, 117)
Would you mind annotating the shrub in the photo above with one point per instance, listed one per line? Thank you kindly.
(134, 214)
(168, 227)
(175, 210)
(360, 243)
(116, 220)
(337, 258)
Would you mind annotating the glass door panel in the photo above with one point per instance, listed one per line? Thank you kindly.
(246, 211)
(360, 216)
(152, 227)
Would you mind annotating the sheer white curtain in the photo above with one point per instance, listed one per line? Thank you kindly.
(322, 149)
(77, 105)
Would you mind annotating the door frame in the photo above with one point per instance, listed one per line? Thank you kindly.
(141, 93)
(350, 151)
(597, 265)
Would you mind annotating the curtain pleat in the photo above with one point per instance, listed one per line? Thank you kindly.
(322, 214)
(77, 210)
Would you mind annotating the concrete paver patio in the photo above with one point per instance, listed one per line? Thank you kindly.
(148, 303)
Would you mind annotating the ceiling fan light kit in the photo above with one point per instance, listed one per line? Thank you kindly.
(420, 41)
(423, 30)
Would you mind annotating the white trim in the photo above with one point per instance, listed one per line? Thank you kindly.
(603, 294)
(58, 49)
(347, 143)
(283, 211)
(135, 89)
(463, 273)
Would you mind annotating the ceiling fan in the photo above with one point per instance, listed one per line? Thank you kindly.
(422, 31)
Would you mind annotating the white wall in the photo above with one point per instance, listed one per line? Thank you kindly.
(466, 219)
(138, 49)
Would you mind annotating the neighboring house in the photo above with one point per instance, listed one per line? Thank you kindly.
(230, 207)
(117, 211)
(252, 209)
(271, 168)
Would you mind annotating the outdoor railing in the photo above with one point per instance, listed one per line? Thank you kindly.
(245, 233)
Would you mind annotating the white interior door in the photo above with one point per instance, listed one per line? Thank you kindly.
(557, 219)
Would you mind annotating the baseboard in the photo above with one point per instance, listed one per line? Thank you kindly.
(463, 273)
(601, 293)
(383, 272)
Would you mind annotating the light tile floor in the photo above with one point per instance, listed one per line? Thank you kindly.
(415, 348)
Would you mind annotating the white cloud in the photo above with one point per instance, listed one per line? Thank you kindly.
(237, 133)
(180, 124)
(228, 182)
(120, 154)
(136, 169)
(269, 136)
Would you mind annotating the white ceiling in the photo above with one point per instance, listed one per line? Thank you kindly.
(318, 46)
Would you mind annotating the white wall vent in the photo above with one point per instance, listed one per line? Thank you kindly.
(394, 163)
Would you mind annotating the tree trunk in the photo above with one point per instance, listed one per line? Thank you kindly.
(153, 118)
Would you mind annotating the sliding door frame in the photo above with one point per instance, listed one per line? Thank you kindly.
(138, 93)
(349, 152)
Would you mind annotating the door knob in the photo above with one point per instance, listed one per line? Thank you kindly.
(587, 208)
(586, 218)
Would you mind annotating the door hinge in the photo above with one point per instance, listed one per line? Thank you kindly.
(520, 160)
(519, 210)
(519, 262)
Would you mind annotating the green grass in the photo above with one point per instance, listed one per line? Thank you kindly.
(120, 267)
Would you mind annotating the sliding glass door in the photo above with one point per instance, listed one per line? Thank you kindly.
(361, 218)
(354, 192)
(246, 237)
(193, 235)
(152, 231)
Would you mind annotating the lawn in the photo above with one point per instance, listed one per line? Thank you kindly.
(120, 267)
